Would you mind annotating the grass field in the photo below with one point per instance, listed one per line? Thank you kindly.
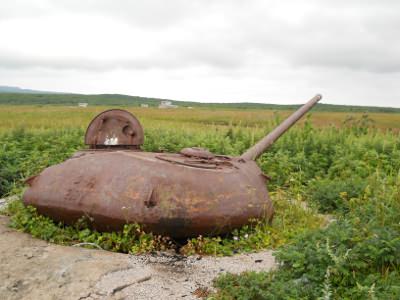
(329, 165)
(52, 117)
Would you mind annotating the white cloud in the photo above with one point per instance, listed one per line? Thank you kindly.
(265, 51)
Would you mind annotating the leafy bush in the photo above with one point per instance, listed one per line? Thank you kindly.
(331, 195)
(25, 153)
(340, 262)
(130, 240)
(290, 219)
(355, 257)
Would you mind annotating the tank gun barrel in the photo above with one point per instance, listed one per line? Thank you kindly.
(255, 151)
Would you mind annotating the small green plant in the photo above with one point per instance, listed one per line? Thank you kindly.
(290, 219)
(132, 239)
(359, 126)
(331, 195)
(355, 257)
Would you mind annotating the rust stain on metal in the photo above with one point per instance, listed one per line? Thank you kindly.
(177, 194)
(114, 127)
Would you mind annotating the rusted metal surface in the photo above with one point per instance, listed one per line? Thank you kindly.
(259, 148)
(197, 158)
(114, 127)
(197, 152)
(115, 187)
(181, 195)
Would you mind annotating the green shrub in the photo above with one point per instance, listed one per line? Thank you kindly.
(355, 257)
(290, 220)
(130, 240)
(330, 195)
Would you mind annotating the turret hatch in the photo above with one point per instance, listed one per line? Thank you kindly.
(114, 128)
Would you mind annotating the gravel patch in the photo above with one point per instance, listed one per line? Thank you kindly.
(168, 276)
(34, 269)
(5, 201)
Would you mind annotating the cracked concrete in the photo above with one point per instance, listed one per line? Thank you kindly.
(34, 269)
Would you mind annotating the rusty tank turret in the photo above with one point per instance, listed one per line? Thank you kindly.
(184, 194)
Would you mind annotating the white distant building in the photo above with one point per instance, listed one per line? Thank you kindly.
(144, 105)
(167, 104)
(82, 104)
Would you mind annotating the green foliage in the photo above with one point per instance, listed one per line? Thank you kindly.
(357, 256)
(330, 195)
(130, 240)
(352, 173)
(24, 154)
(290, 219)
(359, 126)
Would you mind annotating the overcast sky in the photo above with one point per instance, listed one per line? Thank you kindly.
(206, 50)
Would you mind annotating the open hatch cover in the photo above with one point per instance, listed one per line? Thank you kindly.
(114, 128)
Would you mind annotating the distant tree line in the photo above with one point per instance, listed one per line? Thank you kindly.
(125, 100)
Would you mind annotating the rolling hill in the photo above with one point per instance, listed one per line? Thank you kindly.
(19, 96)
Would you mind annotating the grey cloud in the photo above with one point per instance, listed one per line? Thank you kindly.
(11, 9)
(168, 60)
(8, 61)
(149, 13)
(339, 42)
(235, 40)
(358, 35)
(357, 38)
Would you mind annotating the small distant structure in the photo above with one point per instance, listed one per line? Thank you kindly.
(83, 104)
(144, 105)
(167, 104)
(189, 107)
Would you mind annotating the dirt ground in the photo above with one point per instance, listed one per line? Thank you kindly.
(34, 269)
